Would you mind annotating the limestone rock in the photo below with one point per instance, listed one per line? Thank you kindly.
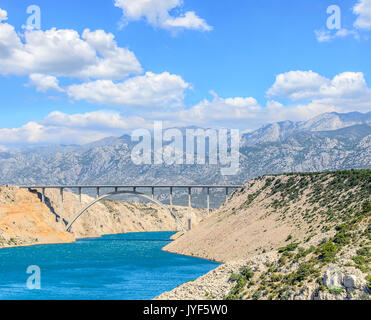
(333, 277)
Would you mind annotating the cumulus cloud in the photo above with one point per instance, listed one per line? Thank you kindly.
(242, 113)
(93, 57)
(64, 52)
(157, 14)
(61, 128)
(298, 85)
(44, 82)
(221, 109)
(306, 93)
(149, 90)
(346, 92)
(363, 11)
(94, 120)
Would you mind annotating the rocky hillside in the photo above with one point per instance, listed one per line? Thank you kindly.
(293, 236)
(280, 131)
(25, 220)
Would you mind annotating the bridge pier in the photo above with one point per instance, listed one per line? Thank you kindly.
(189, 209)
(61, 203)
(80, 196)
(226, 194)
(208, 201)
(171, 197)
(153, 192)
(43, 195)
(97, 192)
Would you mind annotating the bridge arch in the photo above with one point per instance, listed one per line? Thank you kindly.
(82, 211)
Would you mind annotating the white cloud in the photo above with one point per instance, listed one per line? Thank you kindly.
(298, 85)
(149, 90)
(157, 13)
(61, 128)
(363, 11)
(44, 82)
(234, 112)
(63, 52)
(327, 35)
(316, 94)
(346, 92)
(220, 109)
(3, 15)
(93, 120)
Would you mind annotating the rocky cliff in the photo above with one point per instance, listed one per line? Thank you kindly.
(25, 220)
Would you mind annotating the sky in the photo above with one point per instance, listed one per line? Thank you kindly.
(72, 72)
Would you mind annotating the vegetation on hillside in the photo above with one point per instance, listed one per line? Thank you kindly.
(336, 203)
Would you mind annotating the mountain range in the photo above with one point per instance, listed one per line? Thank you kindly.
(330, 141)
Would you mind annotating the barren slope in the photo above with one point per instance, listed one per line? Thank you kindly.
(262, 214)
(296, 236)
(25, 220)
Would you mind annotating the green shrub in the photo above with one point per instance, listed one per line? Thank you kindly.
(241, 283)
(327, 252)
(368, 279)
(303, 272)
(361, 263)
(336, 290)
(288, 248)
(364, 252)
(247, 272)
(234, 277)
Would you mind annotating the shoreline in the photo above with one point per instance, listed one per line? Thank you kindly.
(83, 238)
(35, 244)
(186, 255)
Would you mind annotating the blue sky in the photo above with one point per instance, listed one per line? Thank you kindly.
(208, 63)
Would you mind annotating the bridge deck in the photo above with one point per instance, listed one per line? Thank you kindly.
(129, 186)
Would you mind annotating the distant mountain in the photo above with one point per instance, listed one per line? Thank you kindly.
(325, 122)
(328, 142)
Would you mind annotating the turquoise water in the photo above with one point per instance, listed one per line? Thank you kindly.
(119, 267)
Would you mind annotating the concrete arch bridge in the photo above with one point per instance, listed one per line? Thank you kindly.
(117, 190)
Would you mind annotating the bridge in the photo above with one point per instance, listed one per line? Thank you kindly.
(118, 190)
